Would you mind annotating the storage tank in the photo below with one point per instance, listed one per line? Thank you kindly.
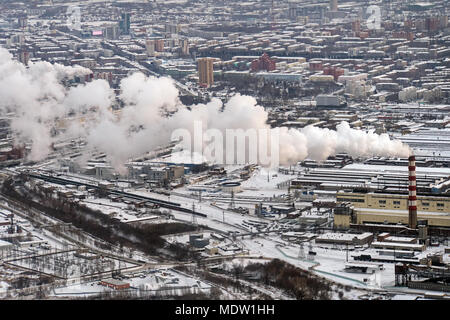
(231, 187)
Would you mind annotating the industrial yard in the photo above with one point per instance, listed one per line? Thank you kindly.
(224, 150)
(265, 215)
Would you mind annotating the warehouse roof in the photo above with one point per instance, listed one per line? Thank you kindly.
(344, 236)
(398, 245)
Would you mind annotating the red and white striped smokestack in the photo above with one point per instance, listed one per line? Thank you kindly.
(412, 199)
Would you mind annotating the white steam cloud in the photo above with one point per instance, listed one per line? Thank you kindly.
(36, 96)
(38, 99)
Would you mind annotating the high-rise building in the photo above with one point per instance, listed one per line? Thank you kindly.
(124, 24)
(23, 56)
(22, 21)
(185, 47)
(159, 45)
(205, 71)
(150, 47)
(17, 39)
(356, 25)
(333, 5)
(111, 32)
(171, 28)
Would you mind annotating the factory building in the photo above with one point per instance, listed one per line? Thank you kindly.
(155, 174)
(398, 246)
(5, 246)
(390, 209)
(339, 174)
(393, 208)
(115, 284)
(198, 241)
(345, 238)
(391, 201)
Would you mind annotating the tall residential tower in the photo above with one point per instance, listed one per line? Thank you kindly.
(205, 71)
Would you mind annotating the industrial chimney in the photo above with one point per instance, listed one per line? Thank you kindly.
(412, 206)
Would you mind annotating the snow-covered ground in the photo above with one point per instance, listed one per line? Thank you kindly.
(217, 219)
(161, 281)
(329, 261)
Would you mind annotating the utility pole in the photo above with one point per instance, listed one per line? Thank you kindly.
(301, 252)
(194, 218)
(394, 255)
(346, 259)
(232, 204)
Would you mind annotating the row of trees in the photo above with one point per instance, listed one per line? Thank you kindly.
(301, 284)
(224, 280)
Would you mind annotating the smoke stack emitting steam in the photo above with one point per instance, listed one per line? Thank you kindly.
(38, 99)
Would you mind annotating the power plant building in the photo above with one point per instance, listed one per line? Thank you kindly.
(394, 207)
(391, 208)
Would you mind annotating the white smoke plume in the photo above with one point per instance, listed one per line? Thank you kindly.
(37, 97)
(295, 144)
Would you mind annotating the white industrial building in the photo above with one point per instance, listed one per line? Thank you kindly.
(4, 246)
(345, 238)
